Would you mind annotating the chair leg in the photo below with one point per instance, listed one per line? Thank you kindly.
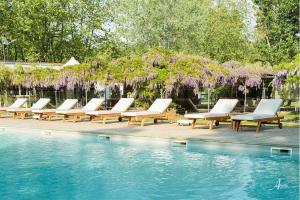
(142, 122)
(74, 118)
(129, 120)
(238, 125)
(120, 119)
(258, 126)
(232, 124)
(279, 123)
(194, 123)
(155, 121)
(211, 124)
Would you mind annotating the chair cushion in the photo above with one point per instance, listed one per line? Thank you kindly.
(204, 115)
(102, 112)
(251, 116)
(268, 106)
(141, 113)
(160, 105)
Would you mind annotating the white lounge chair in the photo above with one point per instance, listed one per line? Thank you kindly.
(93, 105)
(19, 102)
(220, 112)
(265, 113)
(122, 105)
(49, 113)
(23, 112)
(156, 111)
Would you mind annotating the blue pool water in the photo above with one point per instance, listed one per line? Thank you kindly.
(35, 165)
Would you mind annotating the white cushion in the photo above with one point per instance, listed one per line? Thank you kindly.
(18, 109)
(43, 111)
(12, 109)
(72, 111)
(251, 116)
(268, 106)
(224, 106)
(93, 104)
(141, 113)
(160, 105)
(123, 104)
(67, 104)
(102, 112)
(18, 103)
(41, 103)
(204, 115)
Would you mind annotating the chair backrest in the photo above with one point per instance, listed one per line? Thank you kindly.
(160, 105)
(93, 105)
(224, 106)
(40, 104)
(67, 104)
(123, 104)
(18, 103)
(268, 106)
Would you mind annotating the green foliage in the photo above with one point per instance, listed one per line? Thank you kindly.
(5, 75)
(18, 75)
(293, 69)
(53, 31)
(187, 26)
(278, 24)
(223, 37)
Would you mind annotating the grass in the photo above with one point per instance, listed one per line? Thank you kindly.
(291, 119)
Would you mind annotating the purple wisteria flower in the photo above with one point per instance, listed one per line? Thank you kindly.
(279, 78)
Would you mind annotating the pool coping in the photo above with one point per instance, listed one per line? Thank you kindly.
(188, 139)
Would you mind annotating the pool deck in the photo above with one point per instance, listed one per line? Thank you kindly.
(269, 136)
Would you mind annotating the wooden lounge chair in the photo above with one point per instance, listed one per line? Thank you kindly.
(17, 104)
(265, 113)
(49, 113)
(220, 112)
(122, 105)
(156, 111)
(76, 114)
(23, 112)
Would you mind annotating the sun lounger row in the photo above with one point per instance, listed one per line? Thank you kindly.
(156, 111)
(266, 111)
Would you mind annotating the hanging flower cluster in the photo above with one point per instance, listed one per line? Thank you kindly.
(156, 70)
(279, 78)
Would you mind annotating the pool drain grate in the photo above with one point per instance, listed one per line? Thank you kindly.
(103, 137)
(281, 151)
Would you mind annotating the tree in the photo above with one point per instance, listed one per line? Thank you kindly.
(53, 31)
(193, 26)
(277, 27)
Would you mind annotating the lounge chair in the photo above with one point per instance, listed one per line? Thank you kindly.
(19, 102)
(156, 111)
(220, 112)
(265, 113)
(122, 106)
(93, 105)
(49, 113)
(23, 112)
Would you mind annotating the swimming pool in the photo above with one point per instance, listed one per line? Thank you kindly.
(39, 165)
